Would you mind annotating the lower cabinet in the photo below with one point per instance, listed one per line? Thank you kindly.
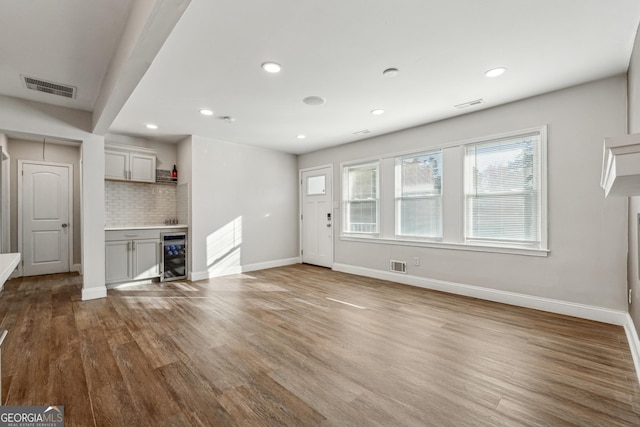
(133, 259)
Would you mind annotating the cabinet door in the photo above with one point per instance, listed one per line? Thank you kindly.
(118, 261)
(146, 258)
(143, 167)
(116, 165)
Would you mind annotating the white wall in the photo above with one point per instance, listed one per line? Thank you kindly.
(244, 207)
(20, 116)
(587, 234)
(633, 273)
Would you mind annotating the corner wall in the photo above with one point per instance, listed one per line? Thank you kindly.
(586, 266)
(244, 207)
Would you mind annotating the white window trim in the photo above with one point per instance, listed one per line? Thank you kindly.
(451, 244)
(343, 171)
(542, 245)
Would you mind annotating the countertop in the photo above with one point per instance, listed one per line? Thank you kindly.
(147, 227)
(8, 263)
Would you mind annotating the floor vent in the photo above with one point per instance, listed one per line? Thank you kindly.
(398, 266)
(49, 87)
(469, 104)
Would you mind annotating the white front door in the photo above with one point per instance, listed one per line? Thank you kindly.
(317, 216)
(46, 225)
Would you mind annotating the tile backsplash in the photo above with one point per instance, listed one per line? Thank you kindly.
(136, 204)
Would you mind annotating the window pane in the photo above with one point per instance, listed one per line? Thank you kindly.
(418, 190)
(421, 175)
(362, 216)
(316, 185)
(420, 217)
(506, 217)
(503, 201)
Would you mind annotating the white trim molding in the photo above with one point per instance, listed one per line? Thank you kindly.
(634, 343)
(583, 311)
(270, 264)
(94, 293)
(235, 269)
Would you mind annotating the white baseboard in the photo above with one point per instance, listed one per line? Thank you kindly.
(270, 264)
(77, 267)
(634, 343)
(94, 293)
(583, 311)
(237, 269)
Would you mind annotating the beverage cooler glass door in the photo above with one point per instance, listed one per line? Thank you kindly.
(174, 256)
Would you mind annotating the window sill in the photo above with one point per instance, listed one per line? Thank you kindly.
(474, 247)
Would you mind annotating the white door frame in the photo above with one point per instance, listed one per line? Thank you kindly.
(300, 202)
(20, 178)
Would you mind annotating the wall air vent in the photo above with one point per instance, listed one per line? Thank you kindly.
(49, 87)
(398, 266)
(469, 104)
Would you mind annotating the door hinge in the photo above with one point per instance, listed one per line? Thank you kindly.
(301, 252)
(301, 217)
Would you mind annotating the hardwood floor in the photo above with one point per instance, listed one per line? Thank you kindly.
(306, 346)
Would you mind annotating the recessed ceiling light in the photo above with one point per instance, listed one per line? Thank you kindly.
(206, 112)
(495, 72)
(390, 72)
(271, 67)
(377, 112)
(301, 136)
(314, 100)
(151, 126)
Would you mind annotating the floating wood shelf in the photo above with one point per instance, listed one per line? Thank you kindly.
(621, 166)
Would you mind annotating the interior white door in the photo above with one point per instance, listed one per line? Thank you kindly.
(45, 219)
(317, 217)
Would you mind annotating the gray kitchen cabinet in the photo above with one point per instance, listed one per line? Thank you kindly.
(124, 164)
(132, 258)
(118, 261)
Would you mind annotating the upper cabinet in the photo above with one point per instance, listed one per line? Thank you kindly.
(125, 163)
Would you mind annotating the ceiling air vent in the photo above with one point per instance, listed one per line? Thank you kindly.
(362, 132)
(469, 104)
(49, 87)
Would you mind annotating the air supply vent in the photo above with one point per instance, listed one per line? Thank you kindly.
(362, 132)
(469, 104)
(398, 266)
(49, 87)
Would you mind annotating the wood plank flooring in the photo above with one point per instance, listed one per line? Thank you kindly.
(306, 346)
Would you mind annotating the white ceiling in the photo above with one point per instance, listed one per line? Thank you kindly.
(335, 49)
(69, 42)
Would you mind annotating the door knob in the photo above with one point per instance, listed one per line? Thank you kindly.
(64, 225)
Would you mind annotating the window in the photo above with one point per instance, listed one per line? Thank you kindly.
(419, 195)
(360, 195)
(503, 191)
(316, 185)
